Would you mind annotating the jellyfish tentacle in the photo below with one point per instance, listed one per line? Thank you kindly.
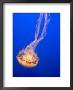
(38, 25)
(33, 44)
(43, 34)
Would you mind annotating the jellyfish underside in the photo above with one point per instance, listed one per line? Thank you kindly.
(28, 57)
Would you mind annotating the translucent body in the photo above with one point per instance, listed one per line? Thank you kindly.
(28, 57)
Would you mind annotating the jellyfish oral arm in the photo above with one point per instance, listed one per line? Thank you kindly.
(38, 26)
(33, 44)
(43, 34)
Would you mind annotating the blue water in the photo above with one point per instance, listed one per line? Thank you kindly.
(48, 50)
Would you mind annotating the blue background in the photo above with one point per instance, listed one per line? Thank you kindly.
(48, 50)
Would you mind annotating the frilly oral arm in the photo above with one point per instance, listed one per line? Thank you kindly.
(38, 26)
(43, 34)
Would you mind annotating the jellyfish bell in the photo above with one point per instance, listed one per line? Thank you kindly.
(28, 59)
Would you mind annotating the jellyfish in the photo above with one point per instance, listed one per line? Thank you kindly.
(27, 57)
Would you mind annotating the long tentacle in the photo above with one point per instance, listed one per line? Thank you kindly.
(38, 25)
(43, 34)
